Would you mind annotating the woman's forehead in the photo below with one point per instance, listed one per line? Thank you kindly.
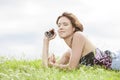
(64, 19)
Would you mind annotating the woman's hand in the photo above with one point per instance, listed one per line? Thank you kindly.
(52, 59)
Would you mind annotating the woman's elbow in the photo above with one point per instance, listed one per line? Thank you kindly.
(72, 67)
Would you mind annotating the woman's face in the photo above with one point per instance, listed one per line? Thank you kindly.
(65, 28)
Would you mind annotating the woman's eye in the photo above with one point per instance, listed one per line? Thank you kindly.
(58, 25)
(65, 24)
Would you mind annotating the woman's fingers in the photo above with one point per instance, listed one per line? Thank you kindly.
(52, 58)
(51, 63)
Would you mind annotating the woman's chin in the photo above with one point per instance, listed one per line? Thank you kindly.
(62, 36)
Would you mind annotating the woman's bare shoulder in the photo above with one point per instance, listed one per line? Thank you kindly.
(79, 34)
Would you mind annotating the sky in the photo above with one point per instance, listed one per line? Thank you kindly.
(23, 23)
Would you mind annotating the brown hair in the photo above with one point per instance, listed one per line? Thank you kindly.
(75, 22)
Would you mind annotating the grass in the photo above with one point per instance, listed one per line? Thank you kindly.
(32, 70)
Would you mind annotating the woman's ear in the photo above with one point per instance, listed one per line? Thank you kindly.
(74, 29)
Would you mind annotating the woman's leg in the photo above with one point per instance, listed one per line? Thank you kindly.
(116, 61)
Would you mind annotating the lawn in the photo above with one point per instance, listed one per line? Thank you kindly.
(33, 70)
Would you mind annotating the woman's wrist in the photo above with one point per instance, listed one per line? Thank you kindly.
(46, 39)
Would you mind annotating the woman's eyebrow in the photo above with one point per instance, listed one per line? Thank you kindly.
(59, 23)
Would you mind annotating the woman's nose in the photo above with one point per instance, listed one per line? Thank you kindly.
(61, 27)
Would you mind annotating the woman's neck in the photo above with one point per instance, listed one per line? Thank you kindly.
(68, 41)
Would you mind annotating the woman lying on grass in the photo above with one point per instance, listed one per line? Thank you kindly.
(81, 51)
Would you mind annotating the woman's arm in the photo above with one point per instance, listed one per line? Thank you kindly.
(45, 52)
(65, 57)
(45, 49)
(77, 48)
(63, 60)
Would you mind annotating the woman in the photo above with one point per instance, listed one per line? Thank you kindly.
(81, 51)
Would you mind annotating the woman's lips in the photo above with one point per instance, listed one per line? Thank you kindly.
(61, 31)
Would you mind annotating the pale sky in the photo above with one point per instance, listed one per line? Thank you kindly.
(23, 23)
